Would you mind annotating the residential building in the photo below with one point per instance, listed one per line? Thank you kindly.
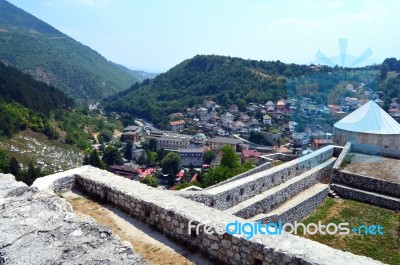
(239, 127)
(131, 133)
(201, 111)
(177, 126)
(244, 118)
(127, 171)
(209, 103)
(227, 117)
(247, 155)
(233, 108)
(170, 140)
(271, 110)
(218, 142)
(222, 132)
(175, 115)
(300, 139)
(270, 104)
(252, 107)
(253, 122)
(267, 119)
(280, 105)
(192, 156)
(350, 87)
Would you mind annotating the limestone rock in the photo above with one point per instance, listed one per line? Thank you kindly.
(38, 227)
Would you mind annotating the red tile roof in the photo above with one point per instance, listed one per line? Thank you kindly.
(250, 153)
(174, 123)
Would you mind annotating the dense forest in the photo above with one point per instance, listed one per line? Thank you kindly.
(390, 79)
(21, 88)
(228, 80)
(27, 103)
(37, 48)
(233, 80)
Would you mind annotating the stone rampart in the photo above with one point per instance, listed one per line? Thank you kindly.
(172, 215)
(276, 196)
(225, 196)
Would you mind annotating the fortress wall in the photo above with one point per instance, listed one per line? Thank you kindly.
(171, 215)
(226, 196)
(277, 198)
(257, 169)
(59, 182)
(366, 196)
(384, 143)
(260, 168)
(299, 211)
(367, 183)
(343, 152)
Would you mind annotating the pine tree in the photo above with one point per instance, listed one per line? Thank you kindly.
(15, 169)
(128, 151)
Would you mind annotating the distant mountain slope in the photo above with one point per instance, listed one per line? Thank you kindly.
(37, 96)
(228, 80)
(140, 75)
(37, 48)
(27, 103)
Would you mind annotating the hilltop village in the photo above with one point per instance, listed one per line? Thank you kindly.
(293, 127)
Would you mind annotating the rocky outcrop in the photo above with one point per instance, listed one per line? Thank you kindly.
(38, 227)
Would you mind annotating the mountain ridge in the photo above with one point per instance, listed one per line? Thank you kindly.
(37, 48)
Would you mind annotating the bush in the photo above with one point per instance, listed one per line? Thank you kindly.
(150, 180)
(186, 184)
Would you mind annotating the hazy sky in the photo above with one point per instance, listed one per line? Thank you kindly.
(155, 35)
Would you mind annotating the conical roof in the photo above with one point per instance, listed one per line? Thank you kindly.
(369, 118)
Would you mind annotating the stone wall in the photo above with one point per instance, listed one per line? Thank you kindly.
(366, 196)
(343, 152)
(366, 183)
(172, 215)
(298, 211)
(267, 164)
(59, 182)
(387, 143)
(276, 197)
(234, 192)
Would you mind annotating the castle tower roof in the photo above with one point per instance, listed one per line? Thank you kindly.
(369, 118)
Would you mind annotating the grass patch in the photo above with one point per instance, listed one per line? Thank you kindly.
(385, 248)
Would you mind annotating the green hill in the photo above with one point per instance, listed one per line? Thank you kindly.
(37, 48)
(27, 103)
(234, 80)
(227, 80)
(21, 88)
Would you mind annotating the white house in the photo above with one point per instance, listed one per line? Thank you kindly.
(267, 120)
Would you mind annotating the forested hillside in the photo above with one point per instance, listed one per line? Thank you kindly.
(16, 86)
(27, 103)
(37, 48)
(234, 80)
(228, 80)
